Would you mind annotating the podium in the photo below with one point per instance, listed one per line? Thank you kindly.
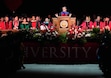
(63, 23)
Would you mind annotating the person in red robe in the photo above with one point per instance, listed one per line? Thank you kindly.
(2, 24)
(8, 23)
(107, 23)
(87, 24)
(98, 23)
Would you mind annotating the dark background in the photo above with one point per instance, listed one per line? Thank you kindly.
(45, 7)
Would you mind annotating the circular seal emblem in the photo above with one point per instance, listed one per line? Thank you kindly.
(64, 24)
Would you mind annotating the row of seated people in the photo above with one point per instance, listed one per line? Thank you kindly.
(35, 22)
(23, 23)
(88, 24)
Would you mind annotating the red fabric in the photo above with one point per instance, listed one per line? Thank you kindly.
(84, 27)
(13, 4)
(104, 24)
(2, 25)
(8, 25)
(34, 24)
(101, 24)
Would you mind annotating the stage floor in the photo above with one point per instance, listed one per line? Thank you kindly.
(59, 71)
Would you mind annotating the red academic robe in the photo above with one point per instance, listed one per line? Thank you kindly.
(107, 24)
(2, 25)
(8, 25)
(100, 24)
(84, 25)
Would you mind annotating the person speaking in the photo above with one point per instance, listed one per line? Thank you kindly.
(64, 12)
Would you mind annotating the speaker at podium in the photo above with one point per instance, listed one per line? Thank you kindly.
(63, 23)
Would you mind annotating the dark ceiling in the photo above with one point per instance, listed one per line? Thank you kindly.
(45, 7)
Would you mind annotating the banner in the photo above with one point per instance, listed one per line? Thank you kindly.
(61, 53)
